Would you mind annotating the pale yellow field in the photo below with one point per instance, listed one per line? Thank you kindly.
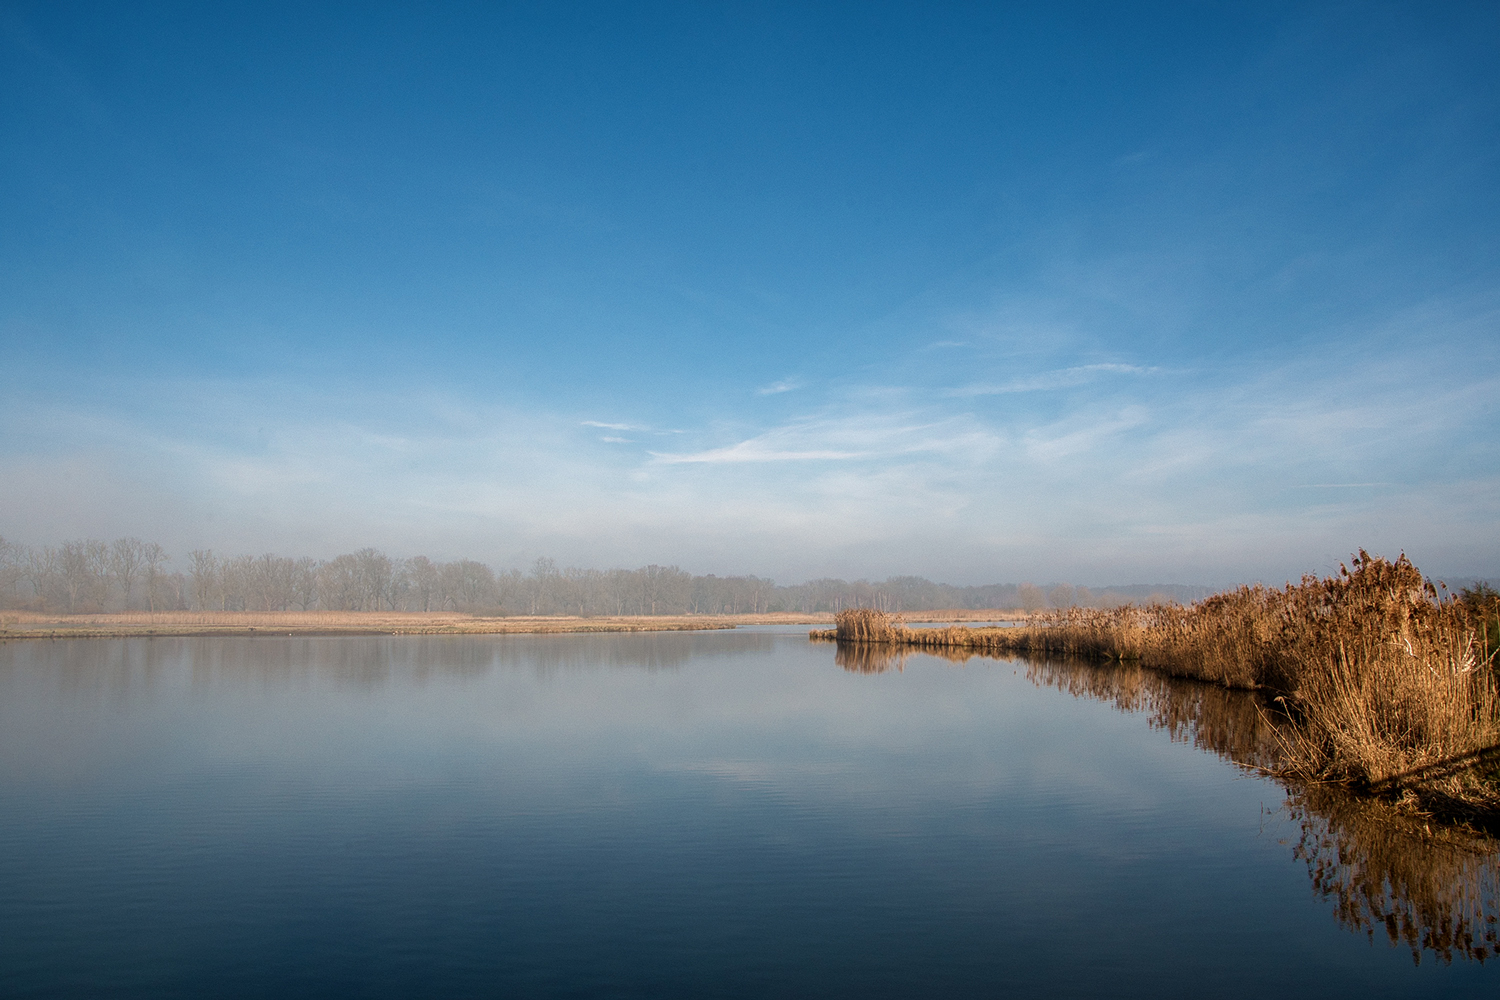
(28, 624)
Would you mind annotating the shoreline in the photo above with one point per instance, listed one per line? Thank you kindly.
(182, 624)
(27, 625)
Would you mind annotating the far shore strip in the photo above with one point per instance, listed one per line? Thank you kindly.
(35, 625)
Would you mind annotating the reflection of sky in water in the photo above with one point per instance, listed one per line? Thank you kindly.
(647, 814)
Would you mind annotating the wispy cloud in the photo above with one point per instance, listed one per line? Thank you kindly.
(842, 437)
(1237, 471)
(1060, 378)
(1081, 435)
(636, 428)
(753, 451)
(775, 388)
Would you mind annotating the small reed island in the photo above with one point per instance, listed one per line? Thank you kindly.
(1373, 678)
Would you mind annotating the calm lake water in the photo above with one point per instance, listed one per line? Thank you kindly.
(727, 813)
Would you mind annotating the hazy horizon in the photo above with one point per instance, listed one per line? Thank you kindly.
(14, 552)
(1156, 294)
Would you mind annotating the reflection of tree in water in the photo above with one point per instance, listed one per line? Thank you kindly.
(1429, 887)
(369, 662)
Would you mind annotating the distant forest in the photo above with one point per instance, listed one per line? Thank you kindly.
(134, 575)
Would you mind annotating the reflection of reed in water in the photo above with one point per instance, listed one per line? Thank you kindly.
(1429, 887)
(1235, 725)
(860, 658)
(872, 658)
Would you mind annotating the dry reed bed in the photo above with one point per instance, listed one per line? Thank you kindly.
(1388, 687)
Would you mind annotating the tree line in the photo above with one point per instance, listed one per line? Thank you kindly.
(129, 574)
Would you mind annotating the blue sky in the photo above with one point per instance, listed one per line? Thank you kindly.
(1108, 293)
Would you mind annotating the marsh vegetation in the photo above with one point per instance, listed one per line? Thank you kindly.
(1374, 677)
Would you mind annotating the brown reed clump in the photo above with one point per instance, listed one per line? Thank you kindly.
(1389, 686)
(864, 625)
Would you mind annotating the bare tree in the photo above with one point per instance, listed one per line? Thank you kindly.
(1031, 597)
(1062, 596)
(127, 558)
(583, 589)
(84, 565)
(512, 589)
(41, 574)
(339, 584)
(543, 583)
(447, 586)
(271, 583)
(12, 572)
(475, 585)
(398, 597)
(174, 588)
(204, 567)
(236, 579)
(661, 588)
(374, 571)
(618, 584)
(284, 580)
(759, 589)
(305, 582)
(424, 579)
(154, 557)
(260, 583)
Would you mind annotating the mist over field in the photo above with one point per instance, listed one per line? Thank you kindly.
(90, 576)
